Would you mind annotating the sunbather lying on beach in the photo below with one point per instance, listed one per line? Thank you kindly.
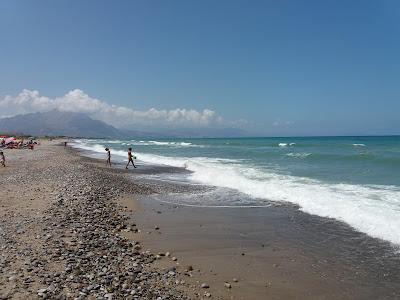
(2, 159)
(130, 159)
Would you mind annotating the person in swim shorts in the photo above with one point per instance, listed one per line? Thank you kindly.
(130, 159)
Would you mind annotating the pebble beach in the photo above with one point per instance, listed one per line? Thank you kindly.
(60, 233)
(73, 228)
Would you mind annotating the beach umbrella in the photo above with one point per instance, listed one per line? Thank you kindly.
(10, 140)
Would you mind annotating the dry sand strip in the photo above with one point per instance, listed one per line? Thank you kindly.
(61, 236)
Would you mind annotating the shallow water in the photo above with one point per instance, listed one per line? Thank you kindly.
(351, 179)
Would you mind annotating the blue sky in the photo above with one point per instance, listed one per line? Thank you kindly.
(286, 67)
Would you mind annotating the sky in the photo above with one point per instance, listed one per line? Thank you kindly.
(268, 67)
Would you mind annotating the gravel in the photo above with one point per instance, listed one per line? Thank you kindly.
(60, 234)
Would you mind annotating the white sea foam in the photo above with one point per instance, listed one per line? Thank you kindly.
(82, 144)
(147, 143)
(162, 143)
(286, 144)
(374, 210)
(112, 142)
(159, 143)
(359, 145)
(173, 144)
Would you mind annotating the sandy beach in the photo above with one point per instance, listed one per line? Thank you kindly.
(61, 233)
(72, 228)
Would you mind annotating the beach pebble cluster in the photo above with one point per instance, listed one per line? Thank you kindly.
(70, 246)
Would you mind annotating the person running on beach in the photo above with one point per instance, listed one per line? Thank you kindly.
(130, 159)
(2, 159)
(108, 157)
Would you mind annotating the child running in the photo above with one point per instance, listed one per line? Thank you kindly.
(130, 159)
(108, 157)
(2, 159)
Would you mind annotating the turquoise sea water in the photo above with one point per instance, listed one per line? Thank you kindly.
(352, 179)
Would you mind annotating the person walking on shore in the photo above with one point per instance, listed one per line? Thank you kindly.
(108, 157)
(130, 159)
(2, 159)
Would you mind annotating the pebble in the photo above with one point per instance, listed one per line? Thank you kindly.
(227, 285)
(189, 268)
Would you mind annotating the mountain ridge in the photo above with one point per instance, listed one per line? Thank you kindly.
(80, 125)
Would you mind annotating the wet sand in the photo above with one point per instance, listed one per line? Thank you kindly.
(274, 252)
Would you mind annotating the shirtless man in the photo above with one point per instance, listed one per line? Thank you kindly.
(130, 159)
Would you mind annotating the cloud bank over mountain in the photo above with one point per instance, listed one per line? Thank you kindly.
(29, 101)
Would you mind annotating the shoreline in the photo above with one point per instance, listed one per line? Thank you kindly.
(275, 252)
(330, 258)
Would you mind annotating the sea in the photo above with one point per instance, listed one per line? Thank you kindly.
(355, 180)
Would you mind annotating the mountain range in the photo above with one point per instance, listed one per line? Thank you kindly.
(71, 124)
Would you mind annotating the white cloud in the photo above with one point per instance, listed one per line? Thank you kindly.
(77, 101)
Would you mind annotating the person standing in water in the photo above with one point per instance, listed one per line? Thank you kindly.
(108, 157)
(130, 159)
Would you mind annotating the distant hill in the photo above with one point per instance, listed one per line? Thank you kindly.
(57, 123)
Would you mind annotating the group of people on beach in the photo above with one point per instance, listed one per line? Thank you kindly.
(131, 157)
(13, 143)
(7, 142)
